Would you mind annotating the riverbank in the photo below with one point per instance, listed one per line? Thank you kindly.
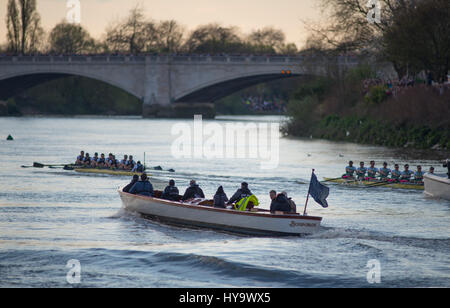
(349, 110)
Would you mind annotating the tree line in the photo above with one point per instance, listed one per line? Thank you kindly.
(414, 35)
(135, 34)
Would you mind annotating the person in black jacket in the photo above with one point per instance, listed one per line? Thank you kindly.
(220, 198)
(133, 181)
(240, 193)
(142, 187)
(279, 202)
(171, 192)
(193, 191)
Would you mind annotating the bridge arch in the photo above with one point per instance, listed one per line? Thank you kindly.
(12, 84)
(219, 88)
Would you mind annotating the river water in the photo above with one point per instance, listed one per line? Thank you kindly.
(51, 216)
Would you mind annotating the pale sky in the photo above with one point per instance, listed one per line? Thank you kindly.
(248, 15)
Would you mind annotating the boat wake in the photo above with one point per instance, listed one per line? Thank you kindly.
(442, 245)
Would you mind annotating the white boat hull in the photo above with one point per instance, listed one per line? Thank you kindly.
(188, 214)
(437, 186)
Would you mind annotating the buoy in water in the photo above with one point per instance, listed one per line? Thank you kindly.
(9, 138)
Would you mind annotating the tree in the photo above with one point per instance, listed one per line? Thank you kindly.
(267, 39)
(419, 38)
(23, 26)
(169, 36)
(67, 38)
(213, 38)
(288, 49)
(133, 35)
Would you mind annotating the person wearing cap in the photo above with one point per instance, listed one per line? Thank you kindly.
(384, 172)
(171, 192)
(142, 187)
(431, 170)
(193, 191)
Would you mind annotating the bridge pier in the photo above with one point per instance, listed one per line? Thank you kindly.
(179, 110)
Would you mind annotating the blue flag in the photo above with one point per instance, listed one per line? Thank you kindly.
(318, 191)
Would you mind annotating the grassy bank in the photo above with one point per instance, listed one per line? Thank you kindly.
(341, 110)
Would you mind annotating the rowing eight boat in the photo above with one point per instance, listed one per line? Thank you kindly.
(405, 185)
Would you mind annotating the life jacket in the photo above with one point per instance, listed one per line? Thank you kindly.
(242, 204)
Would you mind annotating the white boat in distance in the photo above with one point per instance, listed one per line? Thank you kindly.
(200, 213)
(437, 186)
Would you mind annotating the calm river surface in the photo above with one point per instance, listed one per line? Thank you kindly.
(51, 216)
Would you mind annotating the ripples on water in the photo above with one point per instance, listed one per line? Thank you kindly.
(49, 216)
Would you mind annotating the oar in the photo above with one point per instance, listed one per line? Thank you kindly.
(329, 180)
(380, 184)
(39, 165)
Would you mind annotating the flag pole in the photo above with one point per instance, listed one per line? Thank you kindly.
(307, 197)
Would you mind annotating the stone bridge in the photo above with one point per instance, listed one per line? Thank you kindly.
(160, 81)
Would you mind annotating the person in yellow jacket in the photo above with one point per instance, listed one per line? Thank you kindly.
(242, 204)
(242, 197)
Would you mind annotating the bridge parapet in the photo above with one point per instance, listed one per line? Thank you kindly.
(151, 58)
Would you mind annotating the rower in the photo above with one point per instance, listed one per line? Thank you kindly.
(110, 160)
(80, 159)
(131, 163)
(361, 171)
(431, 171)
(349, 171)
(396, 173)
(124, 162)
(101, 162)
(138, 168)
(94, 160)
(384, 172)
(406, 174)
(87, 160)
(418, 175)
(372, 171)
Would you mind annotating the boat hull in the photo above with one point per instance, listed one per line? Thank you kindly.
(437, 186)
(368, 183)
(261, 223)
